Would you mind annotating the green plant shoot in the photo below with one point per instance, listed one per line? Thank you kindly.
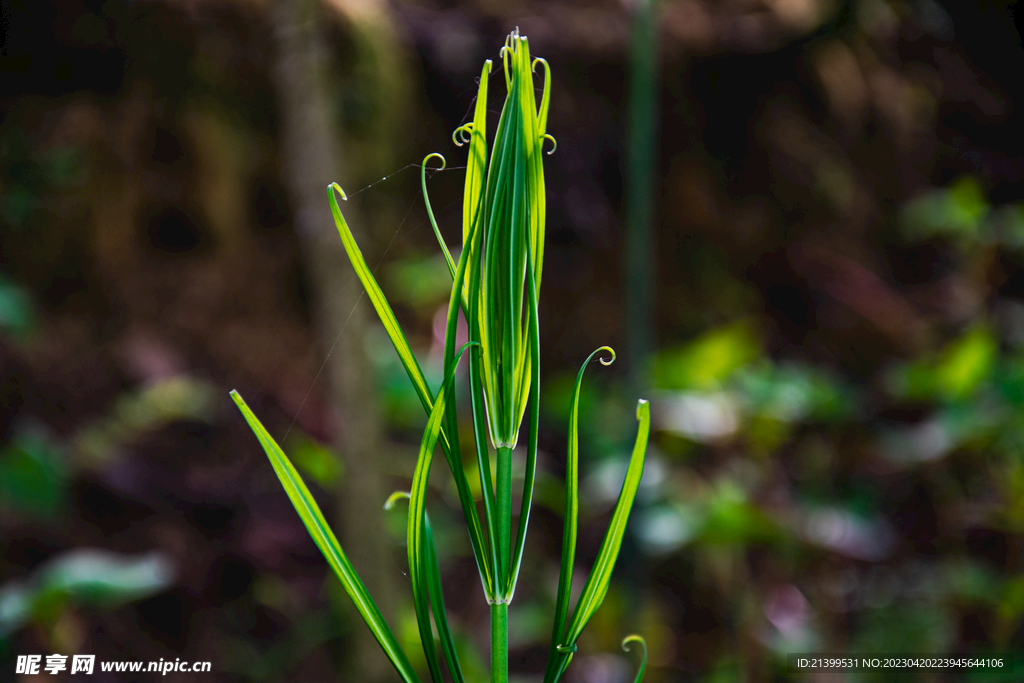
(496, 284)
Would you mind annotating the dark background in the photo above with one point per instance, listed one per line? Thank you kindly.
(836, 375)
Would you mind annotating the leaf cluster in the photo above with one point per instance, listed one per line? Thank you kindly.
(495, 285)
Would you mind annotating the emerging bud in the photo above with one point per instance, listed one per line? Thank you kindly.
(503, 226)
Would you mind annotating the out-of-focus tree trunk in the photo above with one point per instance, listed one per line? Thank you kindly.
(312, 157)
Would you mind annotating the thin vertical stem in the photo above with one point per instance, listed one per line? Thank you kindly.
(504, 525)
(499, 643)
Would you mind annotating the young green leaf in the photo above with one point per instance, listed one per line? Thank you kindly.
(412, 368)
(597, 583)
(416, 531)
(569, 525)
(433, 568)
(531, 449)
(380, 302)
(434, 592)
(430, 211)
(600, 576)
(512, 208)
(325, 539)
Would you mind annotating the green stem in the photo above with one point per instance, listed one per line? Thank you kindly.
(499, 610)
(499, 643)
(504, 525)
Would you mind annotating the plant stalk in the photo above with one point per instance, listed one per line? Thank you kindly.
(504, 526)
(499, 610)
(499, 642)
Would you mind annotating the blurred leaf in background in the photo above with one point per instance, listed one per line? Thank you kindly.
(84, 576)
(419, 281)
(314, 459)
(17, 316)
(26, 175)
(958, 212)
(951, 375)
(178, 397)
(33, 473)
(705, 363)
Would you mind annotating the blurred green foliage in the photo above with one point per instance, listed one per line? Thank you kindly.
(33, 474)
(136, 412)
(419, 281)
(957, 212)
(953, 374)
(963, 215)
(86, 576)
(17, 316)
(27, 175)
(706, 362)
(314, 459)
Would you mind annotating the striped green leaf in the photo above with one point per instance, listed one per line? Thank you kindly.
(600, 576)
(433, 569)
(597, 583)
(325, 539)
(416, 533)
(430, 211)
(415, 373)
(476, 170)
(434, 592)
(511, 208)
(569, 521)
(380, 302)
(530, 476)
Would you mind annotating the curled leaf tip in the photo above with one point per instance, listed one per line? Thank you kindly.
(541, 60)
(337, 188)
(394, 498)
(554, 143)
(429, 156)
(566, 649)
(634, 638)
(462, 134)
(607, 361)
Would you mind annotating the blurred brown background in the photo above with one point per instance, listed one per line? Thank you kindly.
(802, 219)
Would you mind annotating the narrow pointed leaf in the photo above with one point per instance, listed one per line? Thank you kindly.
(531, 452)
(433, 569)
(430, 211)
(476, 166)
(600, 576)
(416, 532)
(324, 538)
(556, 660)
(454, 454)
(415, 374)
(380, 303)
(434, 591)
